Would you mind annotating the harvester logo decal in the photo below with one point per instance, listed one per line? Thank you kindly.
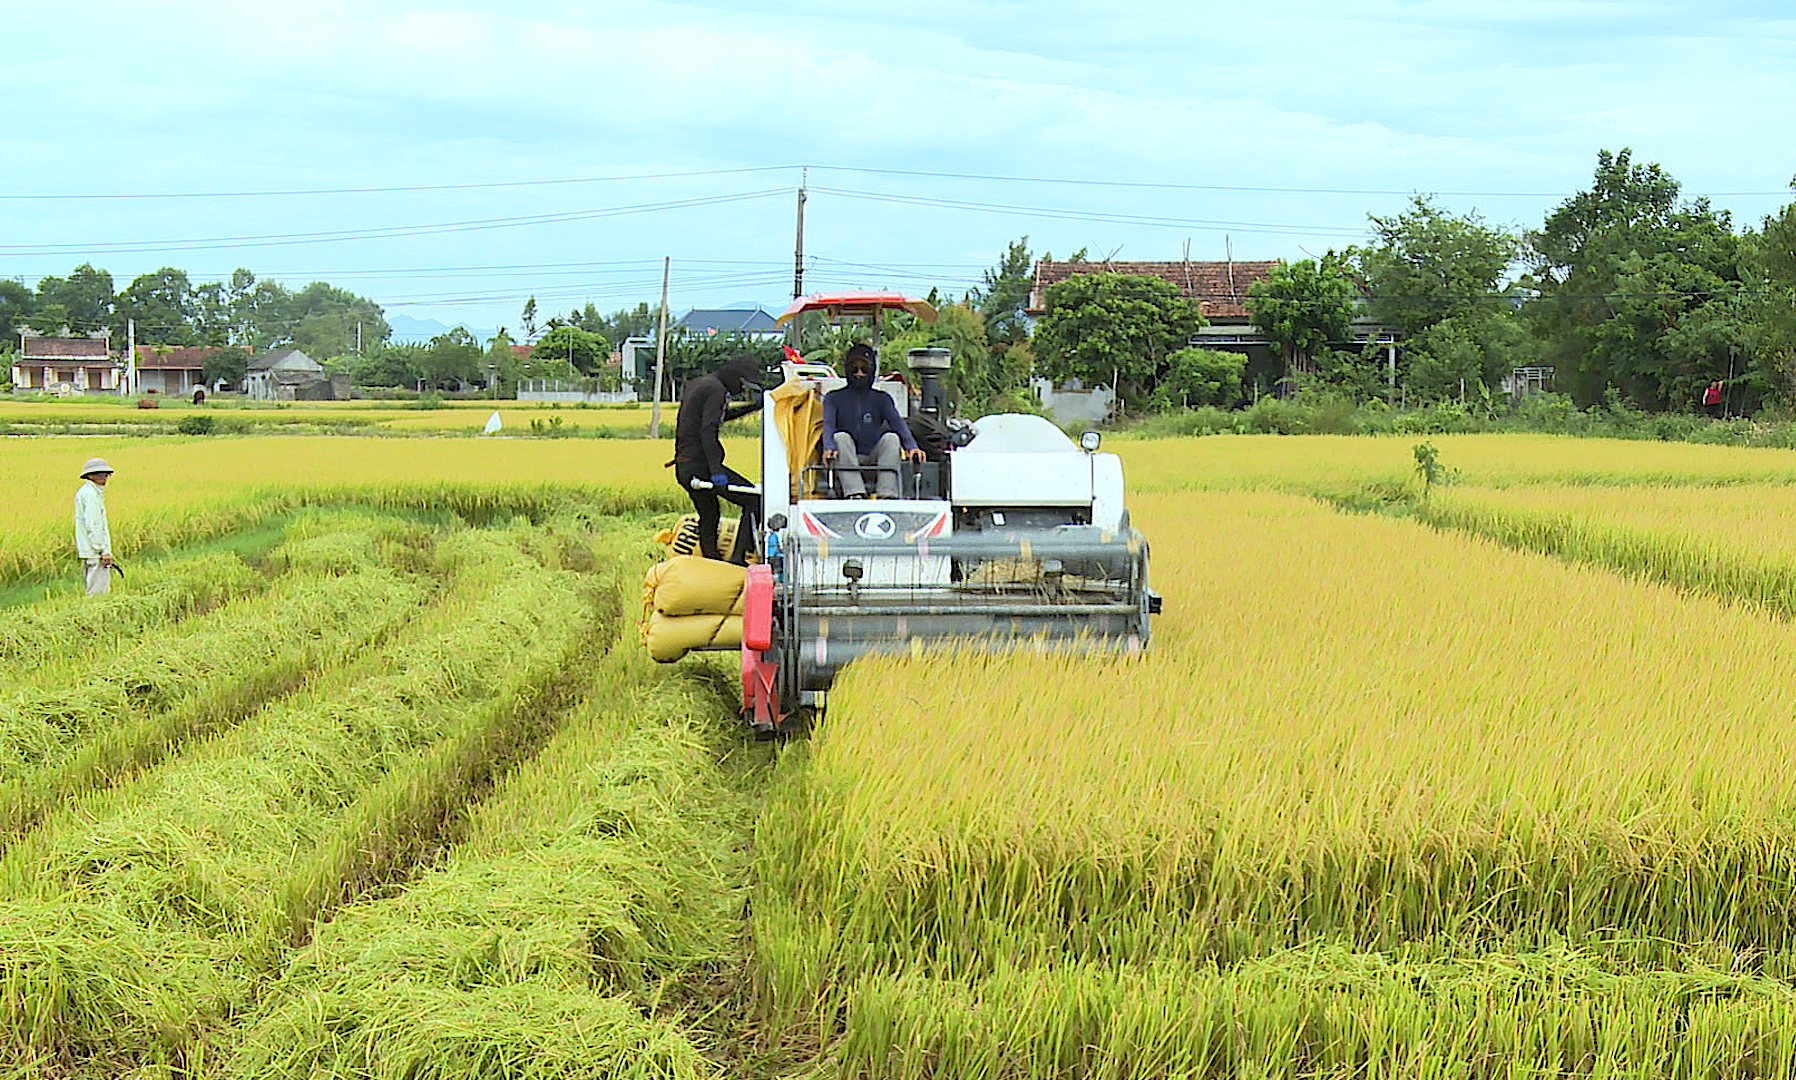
(875, 525)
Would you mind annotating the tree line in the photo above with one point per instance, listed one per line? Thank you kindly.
(1632, 294)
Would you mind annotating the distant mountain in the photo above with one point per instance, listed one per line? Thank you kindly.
(407, 329)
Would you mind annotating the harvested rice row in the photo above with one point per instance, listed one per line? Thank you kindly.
(123, 715)
(1350, 729)
(596, 893)
(190, 879)
(159, 594)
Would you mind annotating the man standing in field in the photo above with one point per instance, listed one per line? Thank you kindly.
(93, 540)
(698, 452)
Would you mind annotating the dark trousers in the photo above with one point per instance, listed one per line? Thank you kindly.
(706, 502)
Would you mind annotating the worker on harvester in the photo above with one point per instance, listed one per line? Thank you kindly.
(861, 427)
(698, 452)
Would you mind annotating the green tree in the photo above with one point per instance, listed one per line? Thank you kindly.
(16, 306)
(1428, 266)
(84, 300)
(320, 319)
(691, 355)
(1771, 305)
(227, 366)
(1112, 328)
(221, 310)
(1304, 307)
(162, 308)
(390, 364)
(451, 359)
(1615, 269)
(586, 353)
(1003, 303)
(1438, 279)
(1197, 376)
(979, 380)
(527, 319)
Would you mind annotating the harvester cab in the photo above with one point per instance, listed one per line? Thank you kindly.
(1007, 533)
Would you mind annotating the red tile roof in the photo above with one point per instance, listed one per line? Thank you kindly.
(61, 348)
(1220, 288)
(175, 358)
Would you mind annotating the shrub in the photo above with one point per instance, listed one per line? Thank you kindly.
(195, 425)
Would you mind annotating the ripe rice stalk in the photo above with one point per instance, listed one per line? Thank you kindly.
(1310, 464)
(1398, 744)
(1731, 543)
(1323, 1012)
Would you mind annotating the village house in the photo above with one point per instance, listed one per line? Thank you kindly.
(165, 369)
(75, 365)
(1220, 289)
(291, 375)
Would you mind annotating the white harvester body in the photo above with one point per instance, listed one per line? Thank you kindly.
(1011, 534)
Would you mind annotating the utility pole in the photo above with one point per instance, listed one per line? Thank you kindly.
(798, 262)
(660, 350)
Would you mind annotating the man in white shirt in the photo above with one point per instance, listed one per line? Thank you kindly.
(93, 540)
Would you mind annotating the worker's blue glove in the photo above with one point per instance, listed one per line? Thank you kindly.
(720, 480)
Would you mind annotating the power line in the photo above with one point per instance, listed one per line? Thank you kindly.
(402, 189)
(1258, 189)
(1094, 215)
(381, 233)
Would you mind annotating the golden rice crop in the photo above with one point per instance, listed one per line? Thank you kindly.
(1747, 519)
(361, 416)
(237, 491)
(1328, 463)
(1349, 730)
(1732, 543)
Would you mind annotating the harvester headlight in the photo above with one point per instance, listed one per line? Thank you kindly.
(1090, 441)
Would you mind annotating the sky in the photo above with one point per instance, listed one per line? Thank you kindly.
(450, 159)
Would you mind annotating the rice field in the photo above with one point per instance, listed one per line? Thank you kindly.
(360, 417)
(361, 773)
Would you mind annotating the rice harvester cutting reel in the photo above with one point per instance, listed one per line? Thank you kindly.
(1008, 535)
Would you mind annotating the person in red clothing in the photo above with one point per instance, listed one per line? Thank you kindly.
(1711, 399)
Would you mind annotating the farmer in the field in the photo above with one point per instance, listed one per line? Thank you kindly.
(861, 427)
(698, 452)
(93, 540)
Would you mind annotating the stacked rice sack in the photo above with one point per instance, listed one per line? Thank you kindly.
(690, 602)
(682, 539)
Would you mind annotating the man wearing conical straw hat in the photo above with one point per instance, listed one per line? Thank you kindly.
(93, 540)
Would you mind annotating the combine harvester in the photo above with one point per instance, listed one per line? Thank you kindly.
(1009, 535)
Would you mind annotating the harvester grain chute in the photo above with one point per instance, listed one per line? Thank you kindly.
(1008, 534)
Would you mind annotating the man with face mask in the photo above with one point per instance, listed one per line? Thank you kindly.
(698, 452)
(861, 427)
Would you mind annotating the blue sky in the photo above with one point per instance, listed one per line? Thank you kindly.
(450, 159)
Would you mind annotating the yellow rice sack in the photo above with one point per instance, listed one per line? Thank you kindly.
(682, 539)
(693, 585)
(670, 637)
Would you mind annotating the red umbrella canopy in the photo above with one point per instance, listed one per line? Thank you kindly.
(858, 304)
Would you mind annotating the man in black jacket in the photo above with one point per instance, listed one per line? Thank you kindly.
(698, 452)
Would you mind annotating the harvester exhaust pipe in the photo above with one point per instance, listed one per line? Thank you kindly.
(932, 397)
